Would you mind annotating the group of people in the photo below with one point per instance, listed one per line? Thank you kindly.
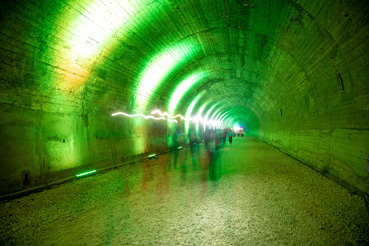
(218, 136)
(212, 136)
(214, 139)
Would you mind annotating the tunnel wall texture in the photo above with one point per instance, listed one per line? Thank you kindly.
(294, 73)
(42, 147)
(326, 127)
(52, 127)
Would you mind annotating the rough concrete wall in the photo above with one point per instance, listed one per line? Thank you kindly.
(40, 147)
(53, 125)
(325, 123)
(293, 72)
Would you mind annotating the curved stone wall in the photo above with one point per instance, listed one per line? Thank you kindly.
(293, 73)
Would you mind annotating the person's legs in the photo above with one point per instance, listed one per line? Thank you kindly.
(176, 154)
(217, 142)
(193, 147)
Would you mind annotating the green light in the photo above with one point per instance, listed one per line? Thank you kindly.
(214, 114)
(89, 36)
(236, 126)
(219, 116)
(180, 147)
(189, 112)
(199, 116)
(158, 68)
(182, 88)
(151, 156)
(207, 115)
(96, 25)
(227, 121)
(222, 116)
(214, 120)
(86, 173)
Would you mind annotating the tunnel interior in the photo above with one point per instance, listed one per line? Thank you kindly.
(292, 73)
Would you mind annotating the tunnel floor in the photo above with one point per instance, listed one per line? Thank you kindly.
(254, 195)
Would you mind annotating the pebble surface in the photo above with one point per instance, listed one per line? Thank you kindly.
(247, 193)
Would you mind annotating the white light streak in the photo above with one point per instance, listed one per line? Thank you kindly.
(171, 120)
(157, 111)
(143, 116)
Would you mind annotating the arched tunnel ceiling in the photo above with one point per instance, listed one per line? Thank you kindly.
(262, 55)
(294, 73)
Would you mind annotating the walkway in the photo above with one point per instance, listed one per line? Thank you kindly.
(255, 195)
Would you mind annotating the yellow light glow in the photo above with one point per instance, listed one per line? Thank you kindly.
(152, 156)
(90, 36)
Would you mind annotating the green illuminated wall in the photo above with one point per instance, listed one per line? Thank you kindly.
(294, 73)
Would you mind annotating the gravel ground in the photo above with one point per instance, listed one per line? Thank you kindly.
(247, 193)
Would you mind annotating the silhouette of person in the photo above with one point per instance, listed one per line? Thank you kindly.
(230, 135)
(194, 146)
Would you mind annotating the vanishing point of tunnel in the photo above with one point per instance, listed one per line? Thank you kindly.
(184, 122)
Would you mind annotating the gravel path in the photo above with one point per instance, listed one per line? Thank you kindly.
(254, 195)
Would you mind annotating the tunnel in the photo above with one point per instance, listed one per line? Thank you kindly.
(107, 106)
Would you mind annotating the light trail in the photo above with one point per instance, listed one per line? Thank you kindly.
(157, 111)
(136, 115)
(143, 116)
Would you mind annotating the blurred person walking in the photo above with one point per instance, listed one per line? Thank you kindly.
(218, 138)
(224, 132)
(230, 135)
(194, 146)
